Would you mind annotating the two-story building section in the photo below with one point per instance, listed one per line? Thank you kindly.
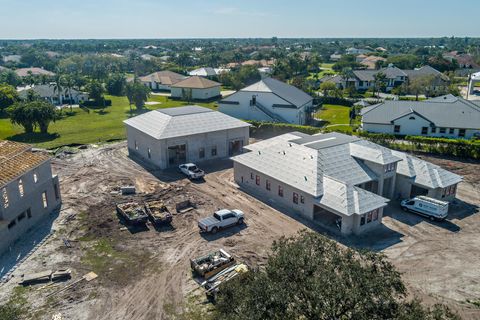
(269, 100)
(335, 179)
(28, 190)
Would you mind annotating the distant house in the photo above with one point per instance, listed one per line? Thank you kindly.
(208, 72)
(47, 92)
(335, 57)
(196, 88)
(12, 58)
(446, 116)
(394, 77)
(269, 100)
(162, 80)
(23, 72)
(464, 60)
(370, 62)
(169, 137)
(356, 51)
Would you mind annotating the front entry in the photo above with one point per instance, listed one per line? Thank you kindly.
(235, 147)
(177, 154)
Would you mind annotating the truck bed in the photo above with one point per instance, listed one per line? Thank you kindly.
(133, 212)
(158, 212)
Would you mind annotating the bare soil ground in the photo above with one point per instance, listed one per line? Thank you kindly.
(145, 273)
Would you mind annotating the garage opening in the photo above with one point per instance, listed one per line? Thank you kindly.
(235, 147)
(327, 218)
(177, 154)
(418, 191)
(387, 187)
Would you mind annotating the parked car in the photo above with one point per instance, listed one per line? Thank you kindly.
(191, 171)
(221, 219)
(431, 208)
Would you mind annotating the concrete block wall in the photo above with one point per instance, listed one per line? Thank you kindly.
(31, 201)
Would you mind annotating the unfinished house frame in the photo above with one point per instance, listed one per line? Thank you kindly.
(28, 190)
(337, 180)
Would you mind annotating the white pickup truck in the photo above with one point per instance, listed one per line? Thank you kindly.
(431, 208)
(221, 219)
(191, 171)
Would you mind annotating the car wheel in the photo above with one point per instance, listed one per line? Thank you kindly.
(214, 230)
(240, 221)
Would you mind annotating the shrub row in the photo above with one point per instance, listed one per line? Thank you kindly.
(284, 127)
(93, 103)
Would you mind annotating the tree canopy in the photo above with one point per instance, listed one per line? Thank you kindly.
(312, 277)
(33, 114)
(8, 96)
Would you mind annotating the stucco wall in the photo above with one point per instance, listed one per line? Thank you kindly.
(159, 148)
(197, 94)
(245, 111)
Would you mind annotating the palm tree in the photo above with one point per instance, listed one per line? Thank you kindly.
(69, 84)
(58, 87)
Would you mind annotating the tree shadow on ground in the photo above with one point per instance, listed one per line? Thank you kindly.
(102, 112)
(136, 112)
(34, 137)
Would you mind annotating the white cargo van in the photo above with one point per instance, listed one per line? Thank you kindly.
(431, 208)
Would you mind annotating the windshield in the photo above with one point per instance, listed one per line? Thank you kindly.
(216, 216)
(192, 168)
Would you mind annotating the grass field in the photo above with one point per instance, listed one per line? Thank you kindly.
(326, 69)
(336, 118)
(86, 127)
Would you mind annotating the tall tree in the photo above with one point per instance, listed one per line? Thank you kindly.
(137, 93)
(8, 96)
(312, 277)
(58, 87)
(96, 90)
(33, 114)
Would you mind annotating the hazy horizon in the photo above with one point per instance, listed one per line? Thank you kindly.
(219, 19)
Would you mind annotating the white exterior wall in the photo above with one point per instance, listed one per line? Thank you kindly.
(32, 199)
(159, 148)
(414, 127)
(245, 111)
(197, 94)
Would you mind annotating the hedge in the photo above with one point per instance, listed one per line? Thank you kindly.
(275, 126)
(94, 104)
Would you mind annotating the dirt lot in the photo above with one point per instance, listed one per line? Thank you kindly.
(144, 273)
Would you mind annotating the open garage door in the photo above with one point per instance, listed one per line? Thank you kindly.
(177, 154)
(418, 191)
(326, 218)
(235, 147)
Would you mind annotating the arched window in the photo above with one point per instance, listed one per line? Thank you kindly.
(411, 118)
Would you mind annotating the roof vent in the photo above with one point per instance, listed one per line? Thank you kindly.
(259, 152)
(305, 178)
(284, 152)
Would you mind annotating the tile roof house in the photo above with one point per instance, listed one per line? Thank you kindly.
(28, 190)
(335, 179)
(23, 72)
(168, 137)
(446, 116)
(161, 80)
(269, 100)
(196, 88)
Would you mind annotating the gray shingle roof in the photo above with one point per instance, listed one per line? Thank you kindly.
(46, 90)
(458, 113)
(425, 173)
(285, 91)
(331, 172)
(183, 121)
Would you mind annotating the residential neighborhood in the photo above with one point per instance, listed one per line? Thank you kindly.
(239, 161)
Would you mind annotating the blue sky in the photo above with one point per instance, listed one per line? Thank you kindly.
(30, 19)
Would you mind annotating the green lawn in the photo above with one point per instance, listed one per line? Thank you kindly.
(86, 127)
(326, 69)
(335, 118)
